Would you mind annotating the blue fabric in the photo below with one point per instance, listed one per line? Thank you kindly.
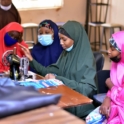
(16, 99)
(9, 41)
(40, 83)
(47, 55)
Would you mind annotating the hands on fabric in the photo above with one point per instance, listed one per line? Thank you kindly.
(49, 76)
(105, 107)
(26, 52)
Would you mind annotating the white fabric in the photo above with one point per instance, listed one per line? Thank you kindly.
(6, 8)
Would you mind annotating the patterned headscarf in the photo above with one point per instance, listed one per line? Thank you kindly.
(45, 24)
(47, 55)
(114, 44)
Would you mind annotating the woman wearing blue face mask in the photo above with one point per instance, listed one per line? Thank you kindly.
(48, 48)
(10, 36)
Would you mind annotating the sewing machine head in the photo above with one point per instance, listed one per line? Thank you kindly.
(14, 62)
(18, 66)
(24, 64)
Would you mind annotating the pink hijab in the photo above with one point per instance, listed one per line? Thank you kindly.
(116, 93)
(117, 69)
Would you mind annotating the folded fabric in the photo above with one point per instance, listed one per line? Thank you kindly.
(7, 82)
(41, 83)
(17, 99)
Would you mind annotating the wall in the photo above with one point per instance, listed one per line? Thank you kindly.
(116, 12)
(72, 10)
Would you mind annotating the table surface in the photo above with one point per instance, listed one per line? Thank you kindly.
(69, 97)
(46, 115)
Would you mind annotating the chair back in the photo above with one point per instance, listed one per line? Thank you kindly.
(98, 11)
(102, 88)
(99, 57)
(101, 79)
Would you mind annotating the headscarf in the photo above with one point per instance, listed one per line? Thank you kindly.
(116, 74)
(114, 44)
(11, 15)
(13, 26)
(47, 55)
(62, 31)
(77, 68)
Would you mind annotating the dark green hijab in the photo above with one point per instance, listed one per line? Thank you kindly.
(76, 68)
(79, 63)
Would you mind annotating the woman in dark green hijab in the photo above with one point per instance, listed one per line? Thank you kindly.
(76, 65)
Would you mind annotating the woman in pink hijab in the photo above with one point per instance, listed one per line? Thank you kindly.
(113, 105)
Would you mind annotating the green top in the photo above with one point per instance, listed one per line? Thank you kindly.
(76, 68)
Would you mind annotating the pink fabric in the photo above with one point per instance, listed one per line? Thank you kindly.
(117, 77)
(117, 106)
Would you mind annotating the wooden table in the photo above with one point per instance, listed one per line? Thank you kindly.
(69, 97)
(45, 115)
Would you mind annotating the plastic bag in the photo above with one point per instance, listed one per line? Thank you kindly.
(96, 118)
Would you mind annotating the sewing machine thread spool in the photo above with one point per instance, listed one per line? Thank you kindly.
(15, 51)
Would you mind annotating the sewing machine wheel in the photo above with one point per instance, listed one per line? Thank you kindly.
(4, 60)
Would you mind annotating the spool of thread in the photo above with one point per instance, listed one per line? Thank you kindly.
(14, 51)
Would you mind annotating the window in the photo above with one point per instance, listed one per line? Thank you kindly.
(37, 4)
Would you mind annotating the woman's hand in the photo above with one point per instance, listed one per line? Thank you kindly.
(105, 107)
(109, 83)
(26, 52)
(49, 76)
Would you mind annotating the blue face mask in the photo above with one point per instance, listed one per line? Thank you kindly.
(45, 39)
(69, 49)
(9, 41)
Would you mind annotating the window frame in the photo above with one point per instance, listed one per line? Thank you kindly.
(38, 8)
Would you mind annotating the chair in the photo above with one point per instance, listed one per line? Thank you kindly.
(99, 57)
(30, 26)
(98, 15)
(102, 88)
(30, 44)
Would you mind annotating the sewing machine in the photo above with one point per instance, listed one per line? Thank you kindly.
(24, 64)
(18, 66)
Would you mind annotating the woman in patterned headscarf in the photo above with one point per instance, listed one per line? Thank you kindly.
(113, 104)
(48, 48)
